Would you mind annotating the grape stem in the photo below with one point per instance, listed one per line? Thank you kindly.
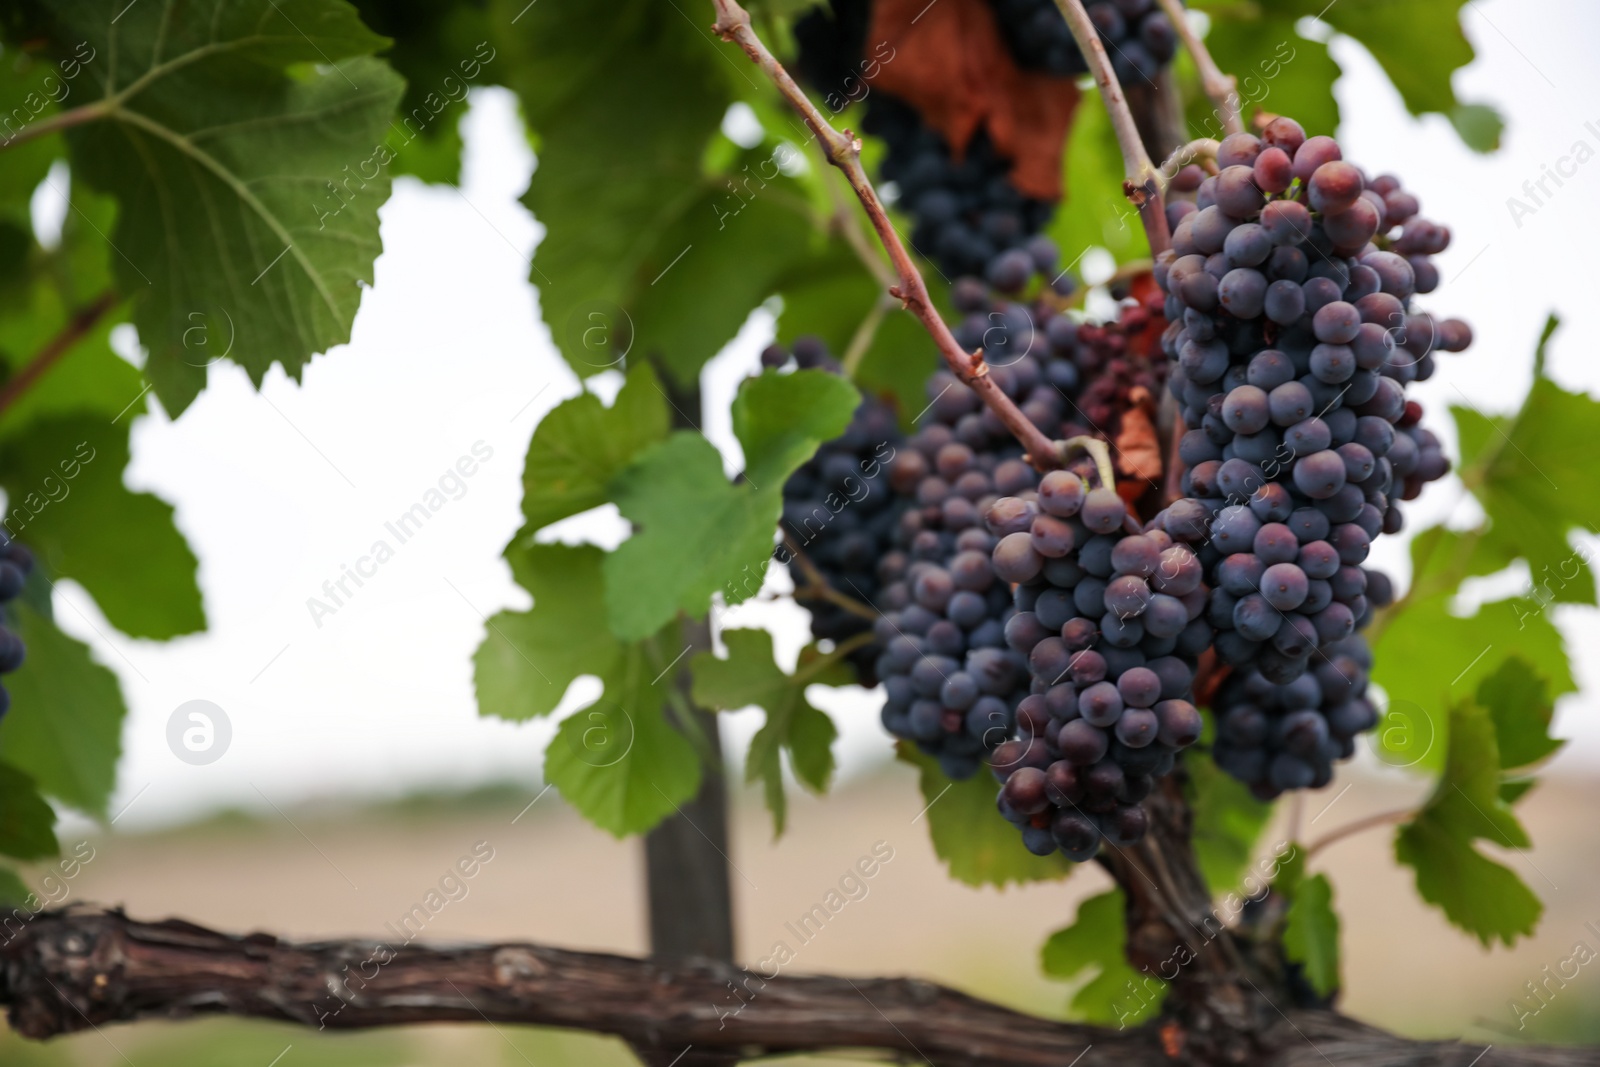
(818, 586)
(843, 150)
(1350, 829)
(1092, 446)
(1202, 150)
(1142, 182)
(1222, 89)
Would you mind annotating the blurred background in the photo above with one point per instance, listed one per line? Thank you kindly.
(358, 768)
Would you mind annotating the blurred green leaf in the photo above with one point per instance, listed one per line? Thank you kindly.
(1427, 657)
(977, 846)
(1475, 893)
(1311, 928)
(441, 50)
(698, 535)
(65, 722)
(67, 502)
(13, 890)
(27, 822)
(1095, 213)
(580, 445)
(619, 761)
(1479, 125)
(1278, 70)
(1531, 476)
(249, 191)
(1228, 821)
(1095, 945)
(750, 677)
(1515, 698)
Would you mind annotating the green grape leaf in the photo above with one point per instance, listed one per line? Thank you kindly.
(699, 535)
(750, 677)
(1530, 477)
(1228, 822)
(1096, 214)
(713, 266)
(441, 50)
(831, 298)
(781, 418)
(65, 722)
(1311, 928)
(1426, 657)
(529, 658)
(619, 159)
(977, 846)
(1094, 946)
(1521, 711)
(67, 501)
(249, 190)
(619, 761)
(580, 445)
(1513, 791)
(27, 822)
(1475, 893)
(1277, 70)
(13, 890)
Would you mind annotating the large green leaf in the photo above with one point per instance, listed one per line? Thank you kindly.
(976, 844)
(619, 761)
(27, 823)
(623, 99)
(65, 722)
(12, 889)
(748, 676)
(244, 147)
(66, 499)
(580, 445)
(1475, 893)
(1094, 947)
(697, 534)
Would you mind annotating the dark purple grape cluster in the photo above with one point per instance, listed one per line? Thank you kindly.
(1112, 622)
(964, 211)
(16, 563)
(1289, 294)
(951, 683)
(1275, 738)
(839, 513)
(1137, 34)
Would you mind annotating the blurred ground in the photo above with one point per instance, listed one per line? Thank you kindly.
(321, 872)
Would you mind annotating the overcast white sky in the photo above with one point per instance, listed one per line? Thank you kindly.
(277, 491)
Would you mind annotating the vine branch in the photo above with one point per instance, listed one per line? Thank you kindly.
(67, 971)
(77, 327)
(1142, 183)
(1222, 89)
(843, 151)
